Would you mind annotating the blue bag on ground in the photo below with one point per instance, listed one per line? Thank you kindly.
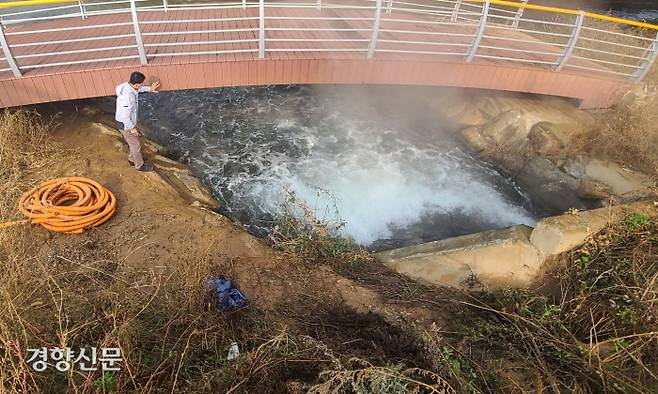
(228, 296)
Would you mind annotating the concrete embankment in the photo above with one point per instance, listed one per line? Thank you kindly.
(514, 256)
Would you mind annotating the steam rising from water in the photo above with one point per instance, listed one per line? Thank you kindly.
(396, 177)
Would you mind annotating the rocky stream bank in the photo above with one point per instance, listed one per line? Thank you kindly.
(535, 141)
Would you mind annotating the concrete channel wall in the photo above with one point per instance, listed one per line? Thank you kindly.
(509, 257)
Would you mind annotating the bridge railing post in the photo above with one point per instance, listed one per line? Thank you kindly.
(138, 34)
(571, 45)
(375, 29)
(519, 15)
(455, 11)
(480, 32)
(165, 5)
(648, 62)
(389, 7)
(9, 57)
(244, 4)
(82, 9)
(261, 29)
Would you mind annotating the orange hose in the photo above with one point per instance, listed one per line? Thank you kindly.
(66, 205)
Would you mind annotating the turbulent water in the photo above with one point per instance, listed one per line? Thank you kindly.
(378, 156)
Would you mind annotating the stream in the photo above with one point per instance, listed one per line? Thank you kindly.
(374, 158)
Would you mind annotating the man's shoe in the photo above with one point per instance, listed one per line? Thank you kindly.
(145, 168)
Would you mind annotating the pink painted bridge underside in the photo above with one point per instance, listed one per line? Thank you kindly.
(321, 65)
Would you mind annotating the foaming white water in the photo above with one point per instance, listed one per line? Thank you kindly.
(391, 176)
(375, 190)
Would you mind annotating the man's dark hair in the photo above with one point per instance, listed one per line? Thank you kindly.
(137, 77)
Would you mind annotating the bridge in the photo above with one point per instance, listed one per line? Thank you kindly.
(56, 50)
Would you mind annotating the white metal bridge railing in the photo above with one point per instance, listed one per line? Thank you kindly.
(496, 30)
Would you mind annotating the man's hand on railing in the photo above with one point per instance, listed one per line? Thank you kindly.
(155, 86)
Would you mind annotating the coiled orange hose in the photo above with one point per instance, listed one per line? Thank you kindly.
(67, 205)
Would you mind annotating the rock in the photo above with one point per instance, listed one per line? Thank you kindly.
(559, 234)
(498, 258)
(166, 164)
(574, 166)
(621, 181)
(506, 128)
(639, 195)
(197, 190)
(592, 190)
(167, 160)
(471, 117)
(474, 139)
(551, 189)
(155, 148)
(107, 130)
(543, 139)
(509, 162)
(121, 147)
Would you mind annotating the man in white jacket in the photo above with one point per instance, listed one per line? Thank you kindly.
(126, 116)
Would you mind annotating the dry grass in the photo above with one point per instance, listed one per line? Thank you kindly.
(25, 151)
(77, 293)
(628, 133)
(595, 332)
(80, 292)
(366, 378)
(301, 233)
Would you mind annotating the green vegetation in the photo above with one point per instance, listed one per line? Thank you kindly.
(637, 221)
(106, 383)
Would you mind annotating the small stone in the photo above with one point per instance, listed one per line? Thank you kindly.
(196, 203)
